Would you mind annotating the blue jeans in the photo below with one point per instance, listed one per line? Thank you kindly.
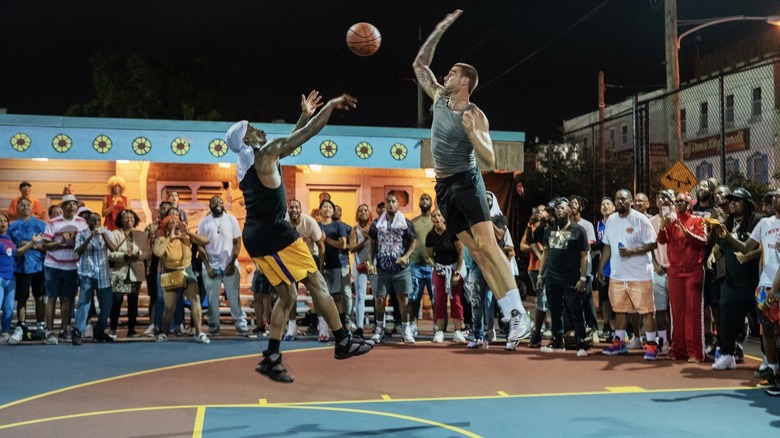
(213, 287)
(481, 303)
(421, 278)
(7, 294)
(87, 287)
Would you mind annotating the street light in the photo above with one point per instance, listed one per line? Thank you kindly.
(707, 22)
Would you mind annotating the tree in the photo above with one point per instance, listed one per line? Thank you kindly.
(144, 86)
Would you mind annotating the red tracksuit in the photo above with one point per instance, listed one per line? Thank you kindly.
(686, 277)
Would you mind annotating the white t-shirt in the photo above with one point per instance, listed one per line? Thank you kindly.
(767, 233)
(311, 232)
(220, 232)
(590, 232)
(632, 231)
(660, 252)
(59, 229)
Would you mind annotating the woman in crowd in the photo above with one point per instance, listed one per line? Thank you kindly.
(127, 268)
(446, 252)
(330, 263)
(607, 208)
(7, 281)
(174, 249)
(358, 241)
(115, 202)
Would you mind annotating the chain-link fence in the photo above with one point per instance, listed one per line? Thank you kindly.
(727, 129)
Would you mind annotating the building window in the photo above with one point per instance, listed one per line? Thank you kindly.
(704, 117)
(756, 113)
(732, 166)
(624, 135)
(612, 137)
(730, 110)
(683, 121)
(704, 170)
(758, 168)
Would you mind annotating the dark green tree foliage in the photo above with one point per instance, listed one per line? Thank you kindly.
(145, 86)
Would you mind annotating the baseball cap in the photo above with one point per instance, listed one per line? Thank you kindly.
(739, 193)
(668, 193)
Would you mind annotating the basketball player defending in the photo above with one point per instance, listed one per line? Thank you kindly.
(272, 242)
(458, 131)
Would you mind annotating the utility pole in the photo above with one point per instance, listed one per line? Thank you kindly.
(602, 140)
(672, 105)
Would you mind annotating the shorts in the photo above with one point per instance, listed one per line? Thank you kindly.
(291, 264)
(333, 279)
(462, 200)
(260, 284)
(346, 280)
(421, 279)
(661, 291)
(397, 283)
(189, 273)
(61, 283)
(626, 296)
(768, 312)
(25, 281)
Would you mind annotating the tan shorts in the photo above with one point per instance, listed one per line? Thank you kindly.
(627, 296)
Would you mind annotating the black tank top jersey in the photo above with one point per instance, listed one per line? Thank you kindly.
(265, 230)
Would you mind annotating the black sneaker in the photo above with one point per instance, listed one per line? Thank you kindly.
(349, 346)
(773, 391)
(76, 337)
(739, 354)
(536, 340)
(555, 346)
(271, 367)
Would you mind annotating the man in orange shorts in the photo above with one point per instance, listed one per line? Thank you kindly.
(628, 240)
(272, 242)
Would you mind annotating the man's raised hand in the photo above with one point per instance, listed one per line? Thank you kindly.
(344, 102)
(310, 103)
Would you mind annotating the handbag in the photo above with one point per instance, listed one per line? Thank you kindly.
(362, 267)
(173, 280)
(121, 285)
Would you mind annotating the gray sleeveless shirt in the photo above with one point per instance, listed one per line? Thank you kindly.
(451, 148)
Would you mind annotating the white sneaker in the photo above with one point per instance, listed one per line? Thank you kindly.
(4, 338)
(415, 331)
(476, 343)
(162, 337)
(379, 333)
(408, 337)
(725, 362)
(203, 338)
(149, 332)
(292, 330)
(89, 332)
(520, 326)
(594, 338)
(458, 337)
(582, 352)
(664, 350)
(322, 328)
(438, 338)
(493, 335)
(17, 336)
(635, 343)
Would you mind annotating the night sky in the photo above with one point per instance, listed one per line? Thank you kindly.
(538, 60)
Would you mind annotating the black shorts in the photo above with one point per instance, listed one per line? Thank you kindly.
(462, 200)
(23, 284)
(260, 284)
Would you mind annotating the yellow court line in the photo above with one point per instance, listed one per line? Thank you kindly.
(503, 394)
(386, 397)
(197, 430)
(138, 373)
(625, 389)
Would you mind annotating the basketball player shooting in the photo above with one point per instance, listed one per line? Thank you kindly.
(460, 136)
(272, 242)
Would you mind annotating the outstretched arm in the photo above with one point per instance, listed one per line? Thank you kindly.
(422, 63)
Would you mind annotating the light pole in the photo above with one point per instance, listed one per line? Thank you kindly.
(707, 22)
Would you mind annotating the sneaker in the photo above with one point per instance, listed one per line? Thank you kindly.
(594, 337)
(536, 340)
(556, 346)
(458, 337)
(725, 362)
(51, 339)
(89, 333)
(4, 337)
(76, 337)
(635, 343)
(618, 347)
(17, 336)
(379, 334)
(767, 376)
(510, 345)
(102, 337)
(493, 335)
(162, 337)
(242, 331)
(323, 334)
(202, 338)
(213, 331)
(112, 334)
(65, 336)
(475, 343)
(438, 338)
(651, 350)
(520, 326)
(292, 330)
(739, 354)
(271, 367)
(349, 347)
(149, 332)
(407, 336)
(415, 330)
(774, 391)
(582, 352)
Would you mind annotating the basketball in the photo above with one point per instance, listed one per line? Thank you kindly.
(363, 39)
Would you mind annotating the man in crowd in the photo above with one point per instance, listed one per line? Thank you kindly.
(420, 264)
(25, 189)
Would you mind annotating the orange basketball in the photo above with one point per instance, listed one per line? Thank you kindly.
(364, 39)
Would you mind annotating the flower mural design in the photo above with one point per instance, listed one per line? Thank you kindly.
(218, 147)
(102, 144)
(142, 146)
(180, 146)
(62, 143)
(399, 151)
(364, 150)
(328, 148)
(20, 142)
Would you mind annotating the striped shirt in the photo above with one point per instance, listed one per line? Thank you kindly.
(60, 229)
